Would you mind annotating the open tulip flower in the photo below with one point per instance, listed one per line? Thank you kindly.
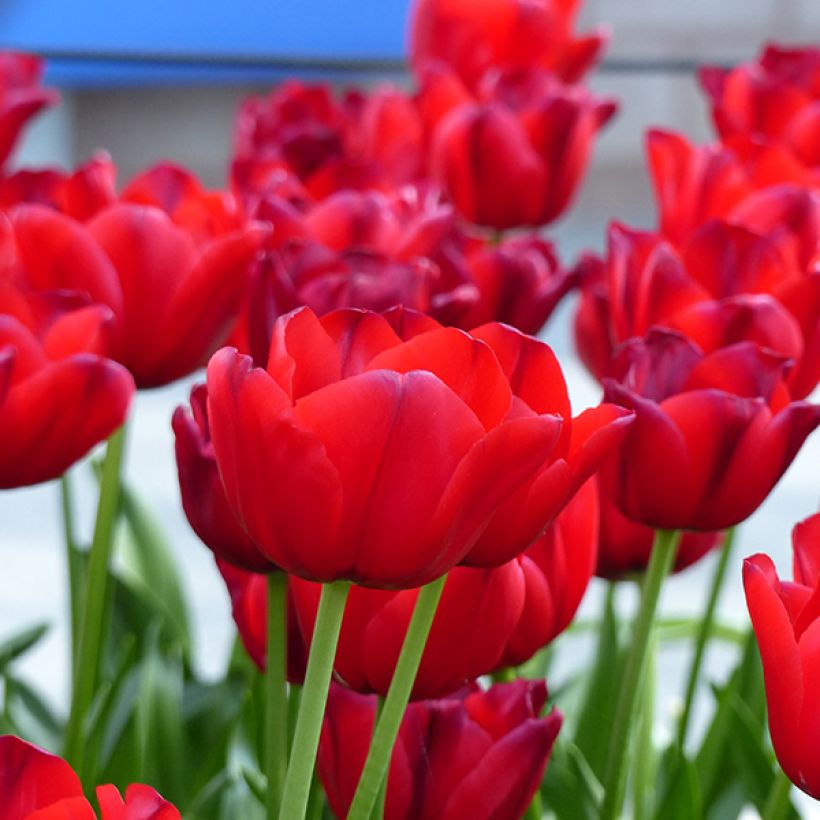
(37, 785)
(59, 395)
(168, 258)
(478, 756)
(786, 621)
(476, 38)
(768, 110)
(21, 96)
(713, 432)
(378, 448)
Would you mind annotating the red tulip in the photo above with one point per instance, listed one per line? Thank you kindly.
(785, 620)
(249, 605)
(173, 271)
(474, 38)
(21, 96)
(712, 435)
(514, 155)
(475, 757)
(356, 141)
(773, 101)
(203, 497)
(625, 546)
(37, 785)
(59, 396)
(376, 448)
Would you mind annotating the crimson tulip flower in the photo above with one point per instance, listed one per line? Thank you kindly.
(770, 104)
(513, 154)
(203, 497)
(496, 617)
(478, 756)
(37, 785)
(785, 619)
(625, 546)
(713, 433)
(377, 448)
(59, 395)
(21, 96)
(358, 140)
(169, 259)
(476, 38)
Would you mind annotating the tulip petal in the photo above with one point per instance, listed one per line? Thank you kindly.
(806, 541)
(141, 803)
(809, 722)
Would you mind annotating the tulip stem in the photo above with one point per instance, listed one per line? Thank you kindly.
(89, 648)
(398, 695)
(778, 802)
(660, 564)
(704, 632)
(71, 554)
(276, 691)
(314, 699)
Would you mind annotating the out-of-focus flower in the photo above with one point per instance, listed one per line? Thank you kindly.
(475, 757)
(513, 153)
(203, 497)
(37, 785)
(768, 110)
(21, 96)
(713, 433)
(377, 448)
(494, 617)
(357, 140)
(785, 617)
(474, 38)
(59, 395)
(169, 259)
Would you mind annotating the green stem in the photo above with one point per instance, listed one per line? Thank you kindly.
(89, 651)
(660, 564)
(642, 781)
(778, 802)
(398, 695)
(276, 691)
(535, 811)
(72, 555)
(704, 632)
(314, 699)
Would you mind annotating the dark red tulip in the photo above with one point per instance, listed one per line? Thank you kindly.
(203, 497)
(21, 96)
(474, 757)
(172, 271)
(330, 143)
(514, 154)
(787, 627)
(37, 785)
(772, 102)
(713, 433)
(364, 454)
(59, 396)
(625, 546)
(249, 606)
(476, 38)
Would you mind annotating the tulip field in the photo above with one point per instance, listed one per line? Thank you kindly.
(380, 456)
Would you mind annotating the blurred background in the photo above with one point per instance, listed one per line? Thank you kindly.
(156, 80)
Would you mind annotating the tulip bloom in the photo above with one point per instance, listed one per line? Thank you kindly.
(169, 259)
(21, 96)
(59, 395)
(36, 785)
(377, 448)
(203, 497)
(785, 620)
(770, 105)
(713, 433)
(474, 757)
(478, 37)
(513, 154)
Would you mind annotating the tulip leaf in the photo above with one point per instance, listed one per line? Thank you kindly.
(680, 790)
(570, 787)
(17, 645)
(29, 715)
